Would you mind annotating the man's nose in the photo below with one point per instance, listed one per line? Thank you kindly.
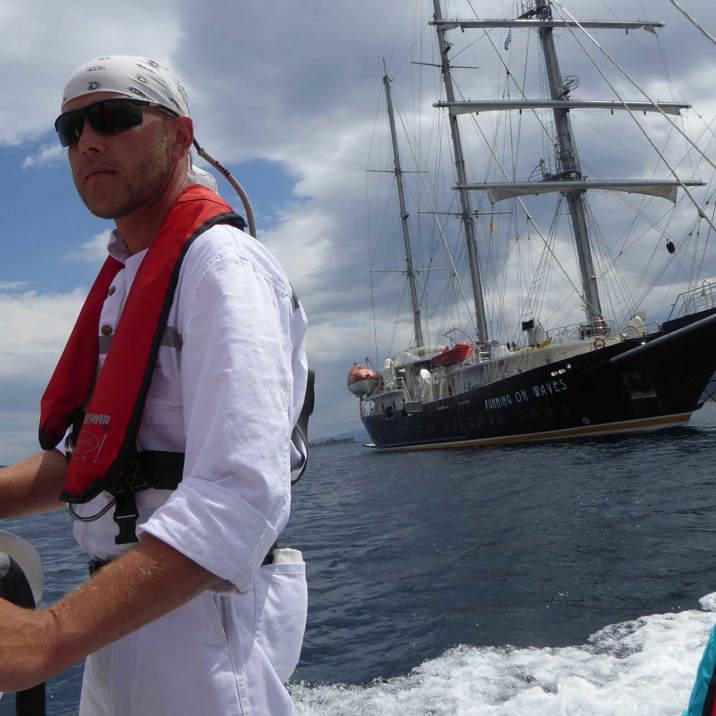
(90, 139)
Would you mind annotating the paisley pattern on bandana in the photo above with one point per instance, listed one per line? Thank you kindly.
(129, 76)
(140, 77)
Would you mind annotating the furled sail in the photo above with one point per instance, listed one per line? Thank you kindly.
(499, 191)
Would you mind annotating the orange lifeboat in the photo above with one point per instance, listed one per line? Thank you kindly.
(452, 356)
(362, 380)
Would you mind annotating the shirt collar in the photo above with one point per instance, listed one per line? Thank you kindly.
(117, 249)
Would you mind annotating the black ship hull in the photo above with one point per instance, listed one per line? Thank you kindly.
(644, 383)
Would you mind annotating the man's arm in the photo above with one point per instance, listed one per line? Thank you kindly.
(33, 485)
(144, 584)
(236, 481)
(234, 316)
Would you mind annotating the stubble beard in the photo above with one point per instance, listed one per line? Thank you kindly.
(143, 184)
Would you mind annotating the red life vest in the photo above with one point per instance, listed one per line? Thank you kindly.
(110, 404)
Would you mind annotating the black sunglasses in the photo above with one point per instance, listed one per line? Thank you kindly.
(106, 117)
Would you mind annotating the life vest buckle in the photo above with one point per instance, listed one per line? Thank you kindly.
(125, 516)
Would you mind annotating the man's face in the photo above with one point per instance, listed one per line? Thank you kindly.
(117, 174)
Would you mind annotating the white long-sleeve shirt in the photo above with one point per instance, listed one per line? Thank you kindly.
(227, 390)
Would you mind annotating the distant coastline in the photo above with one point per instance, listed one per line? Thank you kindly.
(330, 441)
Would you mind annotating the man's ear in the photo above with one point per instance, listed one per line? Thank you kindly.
(183, 136)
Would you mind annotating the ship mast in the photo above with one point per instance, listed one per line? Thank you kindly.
(404, 218)
(467, 215)
(570, 169)
(568, 179)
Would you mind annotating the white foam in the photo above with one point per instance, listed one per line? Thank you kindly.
(644, 667)
(708, 602)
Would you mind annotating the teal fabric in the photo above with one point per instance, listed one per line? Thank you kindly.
(704, 675)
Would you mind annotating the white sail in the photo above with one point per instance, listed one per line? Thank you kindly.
(509, 190)
(470, 106)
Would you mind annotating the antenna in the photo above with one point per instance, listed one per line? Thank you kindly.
(234, 183)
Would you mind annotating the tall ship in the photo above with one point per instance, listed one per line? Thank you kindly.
(518, 379)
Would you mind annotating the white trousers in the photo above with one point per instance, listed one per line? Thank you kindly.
(218, 655)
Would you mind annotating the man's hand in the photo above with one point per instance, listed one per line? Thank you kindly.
(27, 641)
(144, 584)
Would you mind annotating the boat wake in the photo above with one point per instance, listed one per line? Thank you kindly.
(644, 666)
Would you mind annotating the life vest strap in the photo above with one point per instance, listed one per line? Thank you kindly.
(299, 436)
(149, 468)
(125, 515)
(160, 469)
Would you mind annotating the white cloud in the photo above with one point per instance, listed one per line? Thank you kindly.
(298, 83)
(35, 329)
(92, 251)
(46, 154)
(42, 42)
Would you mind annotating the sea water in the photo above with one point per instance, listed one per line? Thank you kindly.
(645, 666)
(565, 578)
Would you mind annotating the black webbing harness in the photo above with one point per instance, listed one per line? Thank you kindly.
(163, 471)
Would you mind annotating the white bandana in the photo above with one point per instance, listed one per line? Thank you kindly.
(137, 77)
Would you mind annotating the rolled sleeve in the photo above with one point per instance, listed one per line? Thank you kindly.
(197, 521)
(234, 313)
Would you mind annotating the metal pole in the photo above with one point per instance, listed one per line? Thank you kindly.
(570, 169)
(466, 213)
(403, 216)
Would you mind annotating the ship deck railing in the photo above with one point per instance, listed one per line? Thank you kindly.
(581, 331)
(701, 298)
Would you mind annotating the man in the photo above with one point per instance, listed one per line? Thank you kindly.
(197, 361)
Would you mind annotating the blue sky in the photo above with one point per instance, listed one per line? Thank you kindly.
(288, 94)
